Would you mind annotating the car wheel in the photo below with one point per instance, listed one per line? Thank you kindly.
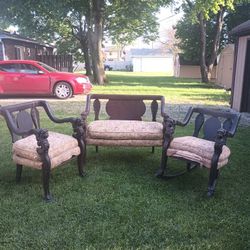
(63, 90)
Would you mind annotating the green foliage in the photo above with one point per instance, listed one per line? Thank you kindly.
(188, 31)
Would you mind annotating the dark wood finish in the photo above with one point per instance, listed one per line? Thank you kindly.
(23, 120)
(217, 127)
(125, 109)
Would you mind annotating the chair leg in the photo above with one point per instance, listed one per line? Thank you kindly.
(153, 150)
(19, 169)
(81, 159)
(46, 177)
(96, 149)
(212, 182)
(160, 172)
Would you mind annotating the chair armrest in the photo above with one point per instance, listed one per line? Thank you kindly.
(186, 119)
(53, 118)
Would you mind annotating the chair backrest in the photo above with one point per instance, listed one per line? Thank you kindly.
(126, 107)
(212, 120)
(21, 117)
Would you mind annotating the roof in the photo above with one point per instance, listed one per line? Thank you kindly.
(7, 35)
(150, 53)
(242, 29)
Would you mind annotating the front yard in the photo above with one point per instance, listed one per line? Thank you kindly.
(120, 204)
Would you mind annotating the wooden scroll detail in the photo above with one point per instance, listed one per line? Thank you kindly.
(125, 109)
(154, 109)
(97, 107)
(198, 124)
(210, 128)
(35, 117)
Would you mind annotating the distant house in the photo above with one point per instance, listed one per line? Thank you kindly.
(241, 70)
(189, 68)
(152, 60)
(14, 46)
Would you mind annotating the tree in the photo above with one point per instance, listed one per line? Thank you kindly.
(83, 23)
(201, 15)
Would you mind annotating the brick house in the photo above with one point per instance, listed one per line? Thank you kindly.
(14, 46)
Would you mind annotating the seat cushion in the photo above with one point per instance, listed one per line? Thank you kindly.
(125, 130)
(62, 148)
(197, 150)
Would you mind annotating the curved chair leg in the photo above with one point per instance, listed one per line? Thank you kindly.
(81, 159)
(214, 172)
(160, 172)
(46, 177)
(19, 169)
(212, 182)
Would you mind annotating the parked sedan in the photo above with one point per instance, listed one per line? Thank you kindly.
(25, 77)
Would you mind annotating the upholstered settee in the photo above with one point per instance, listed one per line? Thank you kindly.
(126, 122)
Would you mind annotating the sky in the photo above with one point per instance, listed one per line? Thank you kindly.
(167, 18)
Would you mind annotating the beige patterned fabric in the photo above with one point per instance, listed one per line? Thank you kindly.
(129, 143)
(62, 148)
(125, 130)
(59, 143)
(197, 149)
(56, 161)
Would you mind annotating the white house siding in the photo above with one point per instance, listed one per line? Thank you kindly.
(153, 64)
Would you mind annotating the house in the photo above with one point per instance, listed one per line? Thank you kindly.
(14, 46)
(189, 68)
(225, 67)
(152, 60)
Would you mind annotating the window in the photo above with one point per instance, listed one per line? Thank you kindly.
(28, 68)
(19, 52)
(10, 67)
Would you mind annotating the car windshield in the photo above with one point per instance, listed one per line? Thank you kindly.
(47, 67)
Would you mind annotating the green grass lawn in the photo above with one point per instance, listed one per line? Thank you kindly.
(120, 204)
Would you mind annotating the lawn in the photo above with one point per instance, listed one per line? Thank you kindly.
(120, 204)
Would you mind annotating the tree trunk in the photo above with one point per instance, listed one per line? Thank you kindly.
(216, 40)
(85, 50)
(96, 35)
(203, 66)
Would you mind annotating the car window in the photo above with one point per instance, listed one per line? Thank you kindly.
(9, 67)
(28, 68)
(47, 67)
(1, 69)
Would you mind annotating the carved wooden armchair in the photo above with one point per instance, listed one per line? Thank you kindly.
(39, 148)
(209, 151)
(123, 125)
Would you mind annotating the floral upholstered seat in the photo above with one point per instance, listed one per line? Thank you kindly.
(62, 148)
(124, 133)
(197, 150)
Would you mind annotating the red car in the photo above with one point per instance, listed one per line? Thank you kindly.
(24, 77)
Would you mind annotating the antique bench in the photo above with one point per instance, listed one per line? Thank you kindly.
(210, 151)
(39, 148)
(123, 124)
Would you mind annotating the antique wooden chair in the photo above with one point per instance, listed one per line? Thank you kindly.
(39, 148)
(210, 151)
(123, 125)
